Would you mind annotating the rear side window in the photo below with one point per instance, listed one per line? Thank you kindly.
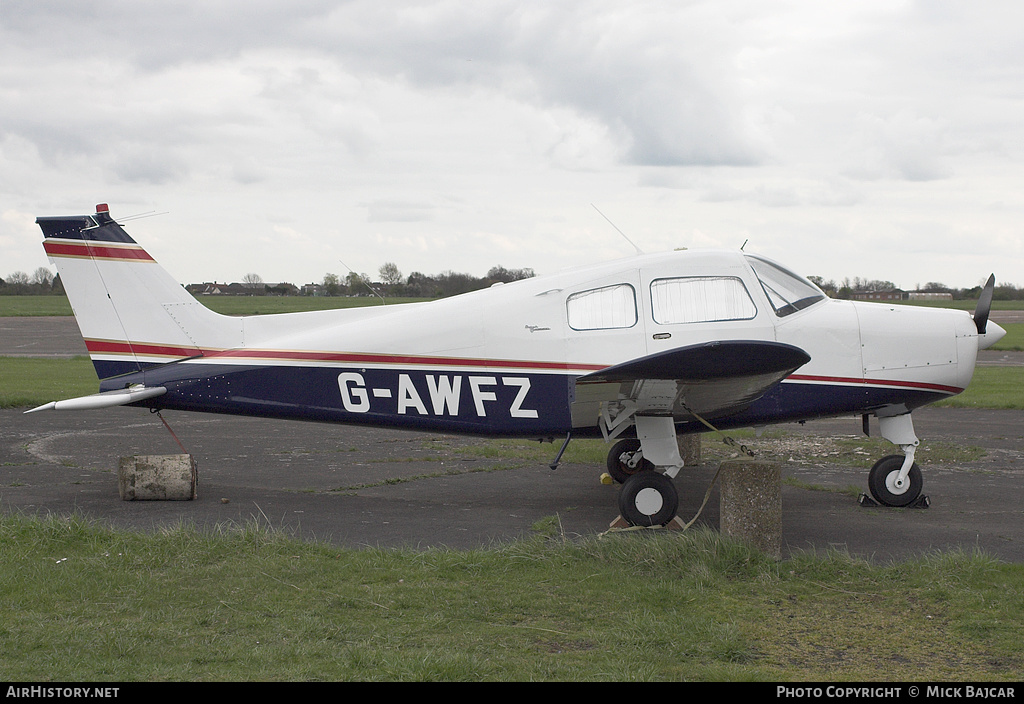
(700, 299)
(602, 308)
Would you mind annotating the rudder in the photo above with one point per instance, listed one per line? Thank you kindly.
(132, 314)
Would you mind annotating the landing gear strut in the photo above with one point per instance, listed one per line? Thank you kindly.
(896, 480)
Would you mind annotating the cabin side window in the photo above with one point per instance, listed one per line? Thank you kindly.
(602, 308)
(700, 299)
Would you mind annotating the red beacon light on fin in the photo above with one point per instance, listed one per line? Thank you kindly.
(102, 208)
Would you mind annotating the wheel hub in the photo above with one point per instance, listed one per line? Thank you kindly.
(894, 485)
(648, 501)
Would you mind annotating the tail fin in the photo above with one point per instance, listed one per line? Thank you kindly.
(131, 312)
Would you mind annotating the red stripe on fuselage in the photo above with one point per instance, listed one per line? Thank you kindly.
(407, 360)
(88, 250)
(117, 347)
(239, 355)
(876, 382)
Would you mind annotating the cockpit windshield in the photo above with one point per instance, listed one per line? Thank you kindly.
(786, 291)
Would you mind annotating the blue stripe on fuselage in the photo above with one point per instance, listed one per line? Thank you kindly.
(469, 402)
(473, 402)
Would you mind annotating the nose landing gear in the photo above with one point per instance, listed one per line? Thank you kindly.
(887, 485)
(896, 480)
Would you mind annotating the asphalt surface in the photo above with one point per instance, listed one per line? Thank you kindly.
(360, 487)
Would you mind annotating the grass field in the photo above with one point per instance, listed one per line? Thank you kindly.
(17, 306)
(1014, 339)
(991, 387)
(83, 603)
(27, 381)
(226, 305)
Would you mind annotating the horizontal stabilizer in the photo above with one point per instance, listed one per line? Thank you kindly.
(107, 399)
(711, 360)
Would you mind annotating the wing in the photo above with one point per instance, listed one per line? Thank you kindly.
(711, 379)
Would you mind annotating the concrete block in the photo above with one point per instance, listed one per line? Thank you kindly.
(751, 504)
(157, 478)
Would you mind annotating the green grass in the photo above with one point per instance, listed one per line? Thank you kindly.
(81, 602)
(30, 381)
(15, 306)
(1014, 338)
(991, 387)
(18, 306)
(263, 305)
(969, 305)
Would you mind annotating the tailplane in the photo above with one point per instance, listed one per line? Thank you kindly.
(131, 312)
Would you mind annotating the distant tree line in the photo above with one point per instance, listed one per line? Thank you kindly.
(42, 282)
(392, 283)
(848, 287)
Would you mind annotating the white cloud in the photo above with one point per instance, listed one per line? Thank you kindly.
(840, 138)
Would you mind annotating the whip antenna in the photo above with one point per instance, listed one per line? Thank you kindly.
(638, 250)
(365, 283)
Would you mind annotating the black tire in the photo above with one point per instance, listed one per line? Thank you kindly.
(618, 469)
(648, 499)
(882, 489)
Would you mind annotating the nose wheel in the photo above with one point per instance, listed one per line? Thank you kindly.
(886, 486)
(896, 480)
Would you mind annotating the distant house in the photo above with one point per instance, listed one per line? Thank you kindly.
(206, 289)
(891, 295)
(215, 289)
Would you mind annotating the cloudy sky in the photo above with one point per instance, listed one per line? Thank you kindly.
(879, 139)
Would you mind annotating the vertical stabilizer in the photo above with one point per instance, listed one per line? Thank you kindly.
(131, 312)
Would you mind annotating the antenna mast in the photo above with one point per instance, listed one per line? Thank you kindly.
(638, 250)
(366, 284)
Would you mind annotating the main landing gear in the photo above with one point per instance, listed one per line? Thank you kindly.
(648, 497)
(896, 480)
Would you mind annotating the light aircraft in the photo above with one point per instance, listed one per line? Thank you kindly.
(635, 351)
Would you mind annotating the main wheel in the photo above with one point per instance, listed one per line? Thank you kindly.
(620, 453)
(882, 481)
(648, 499)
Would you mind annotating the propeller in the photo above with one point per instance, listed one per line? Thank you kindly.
(984, 305)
